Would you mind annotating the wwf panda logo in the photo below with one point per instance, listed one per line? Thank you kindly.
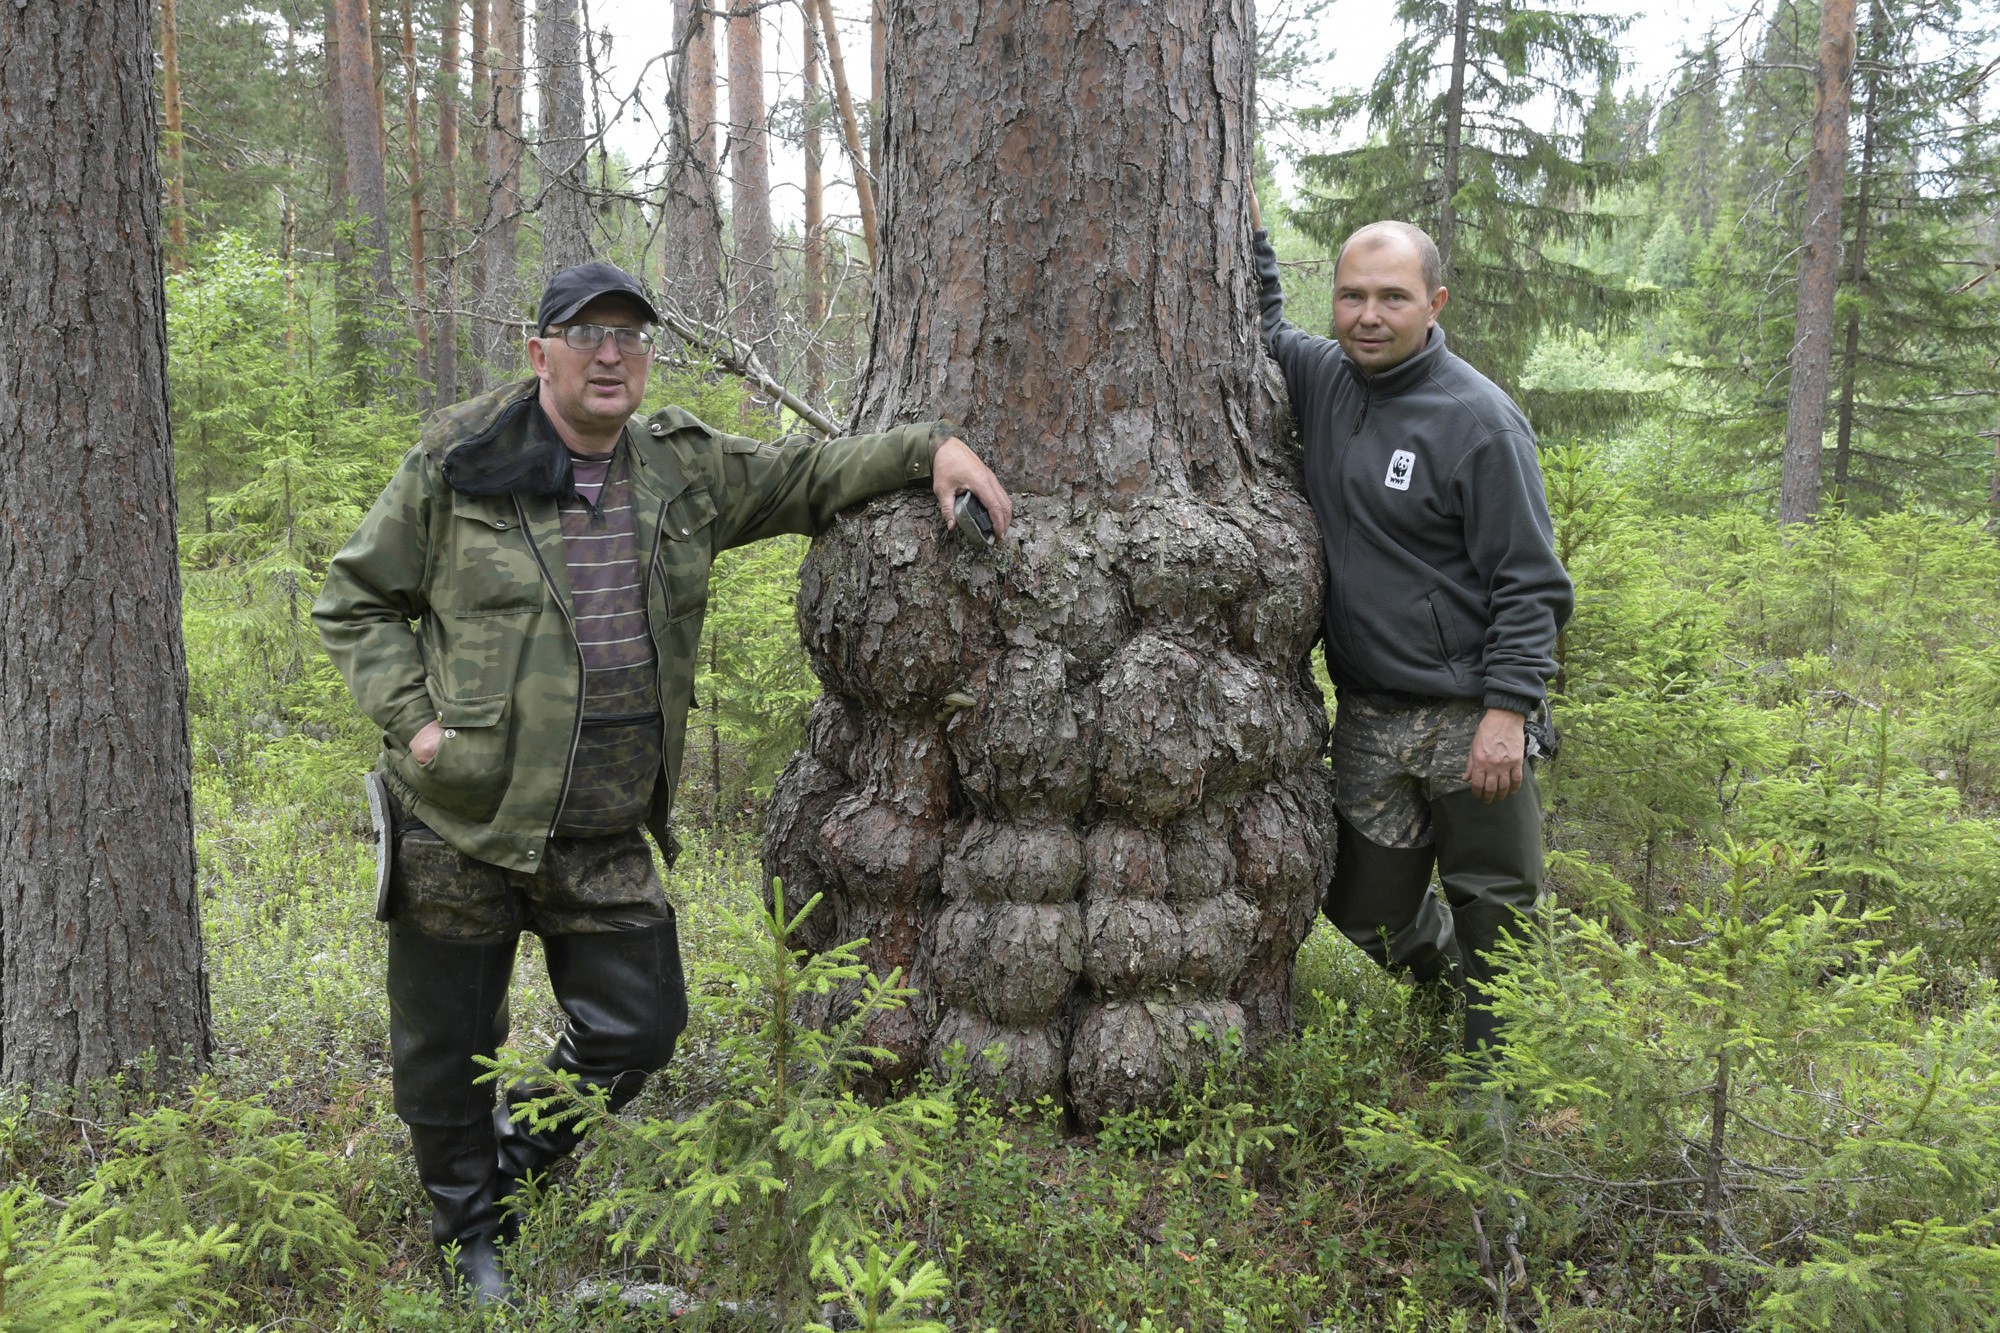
(1401, 464)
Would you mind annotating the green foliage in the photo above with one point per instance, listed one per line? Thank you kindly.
(1524, 182)
(790, 1168)
(225, 1166)
(56, 1276)
(885, 1295)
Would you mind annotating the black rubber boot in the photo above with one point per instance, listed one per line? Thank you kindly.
(626, 1003)
(1490, 864)
(447, 1005)
(1381, 900)
(457, 1166)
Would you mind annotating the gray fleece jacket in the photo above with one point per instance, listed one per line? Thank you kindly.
(1445, 582)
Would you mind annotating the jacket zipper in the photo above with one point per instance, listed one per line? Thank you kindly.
(582, 677)
(1362, 418)
(666, 595)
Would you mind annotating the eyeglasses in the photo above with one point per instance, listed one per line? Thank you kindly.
(590, 337)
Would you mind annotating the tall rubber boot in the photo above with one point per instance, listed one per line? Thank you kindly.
(1381, 900)
(626, 1002)
(1490, 864)
(457, 1165)
(448, 1005)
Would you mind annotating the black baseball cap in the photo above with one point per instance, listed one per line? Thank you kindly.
(578, 285)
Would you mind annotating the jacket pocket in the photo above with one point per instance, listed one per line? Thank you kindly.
(1445, 635)
(468, 774)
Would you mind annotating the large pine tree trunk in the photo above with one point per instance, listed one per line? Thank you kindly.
(361, 136)
(446, 358)
(1819, 267)
(100, 930)
(565, 176)
(1121, 838)
(755, 285)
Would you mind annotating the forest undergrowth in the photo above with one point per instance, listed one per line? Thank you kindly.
(1755, 1074)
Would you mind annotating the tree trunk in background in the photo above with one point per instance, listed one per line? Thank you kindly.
(1123, 835)
(475, 129)
(692, 264)
(446, 360)
(878, 38)
(367, 186)
(170, 96)
(419, 280)
(100, 926)
(1819, 267)
(815, 206)
(754, 288)
(565, 183)
(1454, 137)
(1843, 450)
(864, 181)
(500, 282)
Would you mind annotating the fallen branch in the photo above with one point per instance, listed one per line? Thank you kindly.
(738, 359)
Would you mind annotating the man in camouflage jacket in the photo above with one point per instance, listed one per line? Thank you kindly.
(520, 613)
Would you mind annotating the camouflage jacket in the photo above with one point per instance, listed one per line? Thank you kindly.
(492, 653)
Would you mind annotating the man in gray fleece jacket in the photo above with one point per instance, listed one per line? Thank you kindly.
(1442, 610)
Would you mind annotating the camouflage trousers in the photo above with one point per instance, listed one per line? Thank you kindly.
(1391, 763)
(586, 886)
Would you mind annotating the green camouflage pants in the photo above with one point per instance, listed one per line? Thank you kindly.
(1390, 763)
(586, 886)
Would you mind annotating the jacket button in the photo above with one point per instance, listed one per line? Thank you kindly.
(450, 734)
(657, 429)
(531, 856)
(684, 532)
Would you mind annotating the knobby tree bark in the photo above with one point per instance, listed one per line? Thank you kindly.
(502, 224)
(100, 930)
(755, 279)
(1819, 267)
(565, 206)
(1071, 785)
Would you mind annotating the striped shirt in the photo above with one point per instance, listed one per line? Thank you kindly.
(618, 757)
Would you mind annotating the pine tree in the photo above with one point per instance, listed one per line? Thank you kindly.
(1459, 144)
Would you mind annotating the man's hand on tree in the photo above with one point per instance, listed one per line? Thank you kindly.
(1499, 749)
(424, 745)
(956, 468)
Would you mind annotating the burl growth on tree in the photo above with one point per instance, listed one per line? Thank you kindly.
(1119, 840)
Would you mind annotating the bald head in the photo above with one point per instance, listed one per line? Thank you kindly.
(1398, 235)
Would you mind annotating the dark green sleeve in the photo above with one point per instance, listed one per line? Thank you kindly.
(374, 589)
(798, 484)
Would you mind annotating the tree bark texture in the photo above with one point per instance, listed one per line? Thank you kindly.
(565, 206)
(499, 282)
(100, 928)
(692, 266)
(1071, 785)
(755, 286)
(864, 180)
(1819, 267)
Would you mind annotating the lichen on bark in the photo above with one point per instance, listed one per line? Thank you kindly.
(1119, 844)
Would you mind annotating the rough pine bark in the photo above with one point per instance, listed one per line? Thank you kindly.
(565, 200)
(446, 358)
(361, 137)
(1819, 267)
(1071, 785)
(815, 209)
(1454, 135)
(100, 930)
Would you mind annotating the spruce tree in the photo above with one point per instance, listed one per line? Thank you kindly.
(1476, 133)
